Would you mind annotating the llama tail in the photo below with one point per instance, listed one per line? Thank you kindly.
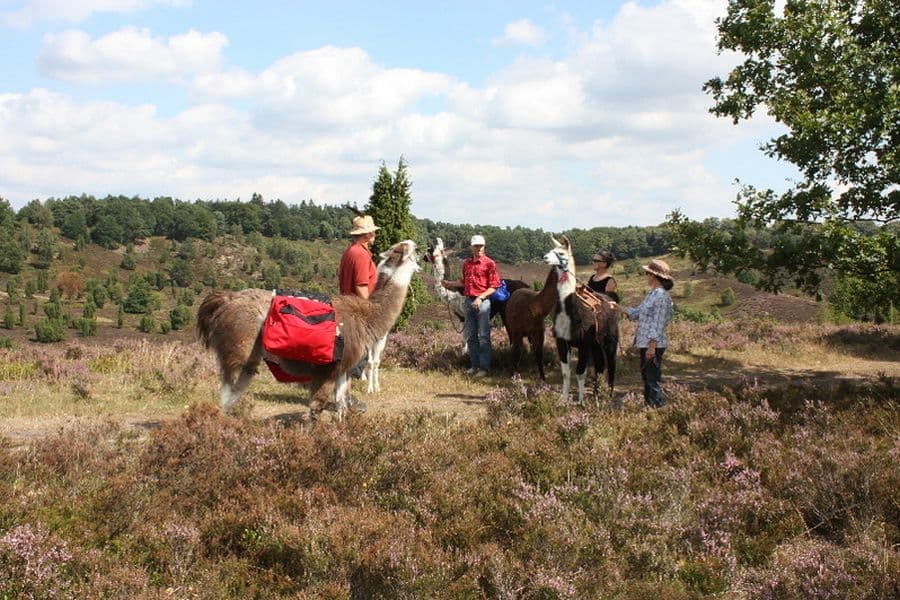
(206, 314)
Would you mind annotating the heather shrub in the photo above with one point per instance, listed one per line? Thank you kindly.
(753, 492)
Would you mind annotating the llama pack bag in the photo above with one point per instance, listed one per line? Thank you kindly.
(302, 328)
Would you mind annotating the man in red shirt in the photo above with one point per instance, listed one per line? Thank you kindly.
(356, 275)
(480, 279)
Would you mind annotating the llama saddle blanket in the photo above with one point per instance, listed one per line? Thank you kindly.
(303, 327)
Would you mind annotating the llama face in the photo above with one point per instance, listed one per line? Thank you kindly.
(399, 262)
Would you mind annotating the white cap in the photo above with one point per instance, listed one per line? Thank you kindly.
(477, 240)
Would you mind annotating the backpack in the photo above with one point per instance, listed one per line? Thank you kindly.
(501, 294)
(302, 327)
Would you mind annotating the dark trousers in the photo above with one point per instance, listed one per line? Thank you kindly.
(651, 373)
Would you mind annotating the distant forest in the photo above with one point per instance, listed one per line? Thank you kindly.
(115, 221)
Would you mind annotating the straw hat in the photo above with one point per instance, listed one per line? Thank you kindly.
(363, 224)
(660, 268)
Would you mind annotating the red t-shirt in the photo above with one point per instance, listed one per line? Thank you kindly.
(356, 269)
(479, 275)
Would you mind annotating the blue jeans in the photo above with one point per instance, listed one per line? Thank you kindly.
(651, 373)
(477, 332)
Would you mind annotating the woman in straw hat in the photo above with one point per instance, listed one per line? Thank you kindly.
(653, 315)
(357, 275)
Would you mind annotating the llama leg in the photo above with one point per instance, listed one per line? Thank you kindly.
(537, 349)
(562, 348)
(375, 359)
(581, 370)
(369, 371)
(341, 394)
(319, 394)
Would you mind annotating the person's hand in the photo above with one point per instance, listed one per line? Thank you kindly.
(476, 304)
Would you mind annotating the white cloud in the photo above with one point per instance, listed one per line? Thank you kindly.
(129, 54)
(327, 87)
(522, 32)
(615, 131)
(76, 11)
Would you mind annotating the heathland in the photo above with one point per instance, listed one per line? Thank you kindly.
(771, 473)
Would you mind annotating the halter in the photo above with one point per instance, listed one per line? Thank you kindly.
(563, 260)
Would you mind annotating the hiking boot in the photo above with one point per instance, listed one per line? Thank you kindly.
(471, 371)
(480, 373)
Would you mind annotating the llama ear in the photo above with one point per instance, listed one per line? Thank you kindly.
(566, 243)
(555, 241)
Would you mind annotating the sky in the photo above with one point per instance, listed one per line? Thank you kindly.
(509, 113)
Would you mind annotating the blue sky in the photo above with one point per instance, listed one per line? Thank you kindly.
(551, 115)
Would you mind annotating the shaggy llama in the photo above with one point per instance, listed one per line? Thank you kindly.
(230, 323)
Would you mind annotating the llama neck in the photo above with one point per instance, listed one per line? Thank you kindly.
(442, 292)
(388, 302)
(548, 295)
(565, 284)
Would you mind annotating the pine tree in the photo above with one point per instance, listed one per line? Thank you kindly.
(389, 206)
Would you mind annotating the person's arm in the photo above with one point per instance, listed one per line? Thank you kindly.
(476, 303)
(363, 291)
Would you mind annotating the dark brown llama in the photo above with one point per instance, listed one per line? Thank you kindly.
(230, 323)
(526, 312)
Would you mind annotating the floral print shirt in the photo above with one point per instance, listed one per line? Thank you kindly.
(652, 315)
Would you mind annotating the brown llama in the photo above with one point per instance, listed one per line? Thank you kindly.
(526, 311)
(578, 327)
(230, 323)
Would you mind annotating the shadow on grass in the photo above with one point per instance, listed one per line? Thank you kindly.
(872, 343)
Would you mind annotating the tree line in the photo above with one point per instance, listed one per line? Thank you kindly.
(116, 221)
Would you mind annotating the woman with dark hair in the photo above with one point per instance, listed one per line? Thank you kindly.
(601, 281)
(653, 315)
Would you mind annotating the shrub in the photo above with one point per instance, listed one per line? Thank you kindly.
(748, 276)
(86, 325)
(9, 319)
(694, 315)
(728, 298)
(147, 324)
(49, 330)
(687, 289)
(180, 317)
(129, 262)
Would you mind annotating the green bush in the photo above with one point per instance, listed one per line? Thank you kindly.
(748, 276)
(728, 298)
(179, 317)
(87, 326)
(49, 330)
(687, 289)
(9, 318)
(695, 315)
(129, 262)
(147, 324)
